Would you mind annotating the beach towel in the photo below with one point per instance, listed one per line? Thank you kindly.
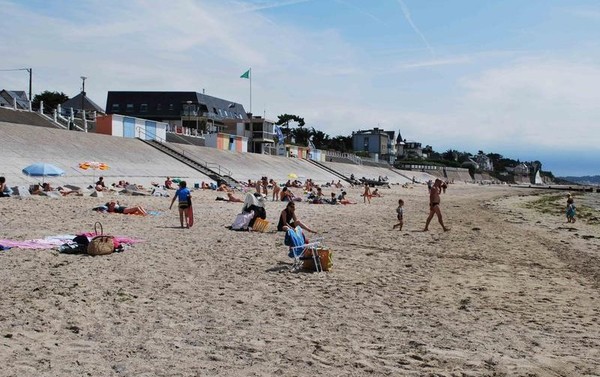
(51, 242)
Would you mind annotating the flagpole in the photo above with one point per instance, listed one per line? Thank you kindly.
(250, 90)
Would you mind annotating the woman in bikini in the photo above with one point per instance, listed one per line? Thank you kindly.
(276, 189)
(434, 205)
(116, 208)
(288, 219)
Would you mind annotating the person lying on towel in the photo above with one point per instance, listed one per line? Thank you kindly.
(113, 206)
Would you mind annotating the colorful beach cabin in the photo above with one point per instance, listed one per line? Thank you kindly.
(130, 127)
(226, 142)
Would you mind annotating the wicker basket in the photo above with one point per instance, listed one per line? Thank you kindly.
(101, 244)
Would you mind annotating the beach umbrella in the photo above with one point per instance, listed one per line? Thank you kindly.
(93, 165)
(42, 169)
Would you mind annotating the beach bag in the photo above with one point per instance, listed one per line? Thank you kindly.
(101, 244)
(325, 256)
(260, 225)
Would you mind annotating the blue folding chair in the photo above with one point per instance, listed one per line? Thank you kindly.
(299, 249)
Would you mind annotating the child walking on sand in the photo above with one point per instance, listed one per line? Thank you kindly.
(570, 209)
(400, 213)
(367, 193)
(184, 196)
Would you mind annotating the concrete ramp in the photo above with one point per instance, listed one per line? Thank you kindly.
(369, 172)
(244, 166)
(129, 159)
(419, 176)
(25, 117)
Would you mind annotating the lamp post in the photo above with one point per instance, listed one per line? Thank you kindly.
(82, 94)
(30, 70)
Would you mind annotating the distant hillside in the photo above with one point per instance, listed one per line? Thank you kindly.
(586, 180)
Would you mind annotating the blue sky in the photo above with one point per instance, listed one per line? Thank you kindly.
(519, 78)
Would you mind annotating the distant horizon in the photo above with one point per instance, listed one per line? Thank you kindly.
(516, 78)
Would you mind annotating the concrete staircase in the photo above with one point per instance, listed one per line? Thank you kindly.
(212, 170)
(329, 170)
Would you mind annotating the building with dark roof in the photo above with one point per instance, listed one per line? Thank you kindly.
(8, 98)
(377, 142)
(408, 149)
(79, 101)
(188, 113)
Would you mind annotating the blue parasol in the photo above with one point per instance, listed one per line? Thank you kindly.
(42, 169)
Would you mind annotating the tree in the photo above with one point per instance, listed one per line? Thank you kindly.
(284, 122)
(450, 155)
(320, 139)
(51, 100)
(341, 143)
(285, 118)
(301, 135)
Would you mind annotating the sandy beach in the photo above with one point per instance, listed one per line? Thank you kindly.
(508, 291)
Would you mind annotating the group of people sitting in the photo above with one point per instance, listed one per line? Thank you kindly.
(318, 197)
(254, 208)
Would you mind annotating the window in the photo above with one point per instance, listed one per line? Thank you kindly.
(366, 145)
(130, 107)
(158, 107)
(143, 108)
(171, 107)
(115, 107)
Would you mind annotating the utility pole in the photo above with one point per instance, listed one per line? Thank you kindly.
(30, 70)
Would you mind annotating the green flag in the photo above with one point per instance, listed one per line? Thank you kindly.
(246, 75)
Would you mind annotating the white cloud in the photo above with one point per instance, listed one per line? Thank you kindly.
(550, 103)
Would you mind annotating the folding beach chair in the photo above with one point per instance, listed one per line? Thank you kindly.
(301, 250)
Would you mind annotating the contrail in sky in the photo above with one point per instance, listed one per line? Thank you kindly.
(413, 26)
(362, 11)
(271, 5)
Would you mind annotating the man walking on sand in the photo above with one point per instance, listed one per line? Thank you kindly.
(434, 205)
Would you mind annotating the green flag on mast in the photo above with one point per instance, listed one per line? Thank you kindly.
(246, 75)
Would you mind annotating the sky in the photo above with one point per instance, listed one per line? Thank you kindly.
(518, 78)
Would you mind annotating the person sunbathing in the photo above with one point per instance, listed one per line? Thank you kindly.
(39, 190)
(225, 188)
(115, 207)
(233, 199)
(288, 196)
(100, 186)
(64, 191)
(5, 191)
(342, 199)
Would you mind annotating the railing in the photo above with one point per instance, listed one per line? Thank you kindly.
(208, 165)
(350, 156)
(148, 135)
